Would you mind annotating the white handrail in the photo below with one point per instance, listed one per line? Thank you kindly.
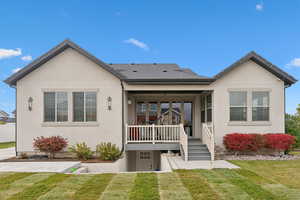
(208, 139)
(184, 142)
(152, 133)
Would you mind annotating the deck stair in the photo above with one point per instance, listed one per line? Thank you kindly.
(197, 150)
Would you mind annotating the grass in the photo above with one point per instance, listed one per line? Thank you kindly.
(198, 187)
(272, 180)
(4, 145)
(145, 187)
(94, 187)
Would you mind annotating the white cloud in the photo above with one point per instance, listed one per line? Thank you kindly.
(7, 53)
(294, 63)
(16, 70)
(137, 43)
(259, 6)
(26, 58)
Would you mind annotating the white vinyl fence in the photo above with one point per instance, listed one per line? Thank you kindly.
(7, 132)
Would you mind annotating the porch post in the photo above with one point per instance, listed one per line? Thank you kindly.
(153, 134)
(126, 133)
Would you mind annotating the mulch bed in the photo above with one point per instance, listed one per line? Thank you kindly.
(15, 159)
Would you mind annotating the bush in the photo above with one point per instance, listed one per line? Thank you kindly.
(108, 151)
(242, 142)
(82, 151)
(50, 145)
(255, 142)
(279, 142)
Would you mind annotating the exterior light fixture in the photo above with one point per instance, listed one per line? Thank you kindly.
(129, 102)
(30, 100)
(109, 103)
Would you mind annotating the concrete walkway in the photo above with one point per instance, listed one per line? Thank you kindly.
(58, 167)
(7, 153)
(176, 162)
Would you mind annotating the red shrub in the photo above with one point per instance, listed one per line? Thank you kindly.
(280, 142)
(254, 142)
(242, 142)
(50, 145)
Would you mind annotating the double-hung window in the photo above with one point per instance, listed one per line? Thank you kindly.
(260, 106)
(238, 105)
(84, 106)
(55, 106)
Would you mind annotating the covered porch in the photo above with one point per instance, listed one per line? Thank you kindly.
(169, 121)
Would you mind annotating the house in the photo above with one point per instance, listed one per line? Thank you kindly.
(145, 109)
(3, 115)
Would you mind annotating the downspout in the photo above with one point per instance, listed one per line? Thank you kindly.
(123, 129)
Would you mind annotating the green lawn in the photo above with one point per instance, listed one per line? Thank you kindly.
(263, 180)
(4, 145)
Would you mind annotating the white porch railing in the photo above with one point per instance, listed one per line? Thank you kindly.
(208, 139)
(184, 142)
(152, 133)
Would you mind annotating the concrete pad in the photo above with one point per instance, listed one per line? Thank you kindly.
(58, 167)
(176, 162)
(7, 153)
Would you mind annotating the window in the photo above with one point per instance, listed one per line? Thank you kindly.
(145, 155)
(238, 106)
(153, 112)
(55, 106)
(260, 106)
(141, 113)
(202, 109)
(84, 106)
(208, 108)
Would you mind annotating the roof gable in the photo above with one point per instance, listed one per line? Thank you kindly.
(52, 53)
(288, 79)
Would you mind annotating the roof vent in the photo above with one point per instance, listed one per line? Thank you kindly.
(134, 71)
(165, 71)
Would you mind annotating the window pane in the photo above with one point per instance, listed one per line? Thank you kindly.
(188, 125)
(153, 112)
(209, 115)
(260, 114)
(141, 113)
(78, 106)
(49, 106)
(62, 106)
(238, 114)
(238, 99)
(203, 116)
(176, 113)
(260, 99)
(91, 106)
(208, 101)
(164, 118)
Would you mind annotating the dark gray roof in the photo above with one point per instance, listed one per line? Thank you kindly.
(288, 79)
(155, 73)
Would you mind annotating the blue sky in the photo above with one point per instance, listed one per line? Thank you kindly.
(205, 36)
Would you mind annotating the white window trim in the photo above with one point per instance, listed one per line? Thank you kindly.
(70, 122)
(249, 121)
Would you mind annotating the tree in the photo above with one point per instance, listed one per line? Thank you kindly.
(292, 125)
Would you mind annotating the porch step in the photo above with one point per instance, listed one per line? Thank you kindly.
(199, 157)
(197, 150)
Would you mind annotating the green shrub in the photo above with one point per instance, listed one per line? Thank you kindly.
(82, 151)
(108, 151)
